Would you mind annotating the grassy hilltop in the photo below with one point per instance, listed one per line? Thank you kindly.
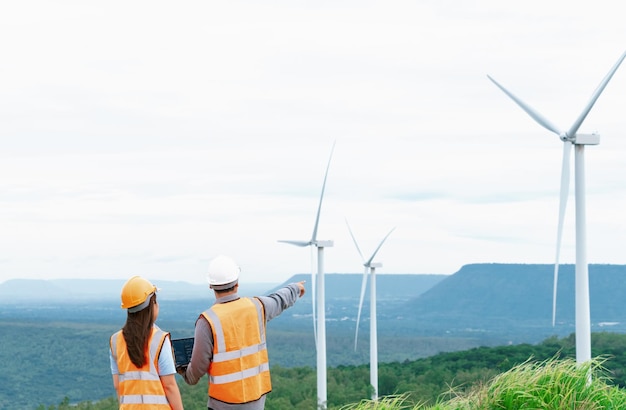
(549, 385)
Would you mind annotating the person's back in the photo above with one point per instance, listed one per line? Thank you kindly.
(230, 340)
(239, 370)
(142, 364)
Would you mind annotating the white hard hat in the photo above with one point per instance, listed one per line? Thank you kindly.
(223, 273)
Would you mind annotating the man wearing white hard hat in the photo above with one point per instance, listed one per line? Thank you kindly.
(229, 341)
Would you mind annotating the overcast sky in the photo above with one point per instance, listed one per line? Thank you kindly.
(146, 137)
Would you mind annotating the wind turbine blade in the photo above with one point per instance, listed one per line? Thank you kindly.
(358, 316)
(541, 120)
(574, 128)
(319, 207)
(297, 243)
(379, 245)
(313, 297)
(354, 240)
(565, 171)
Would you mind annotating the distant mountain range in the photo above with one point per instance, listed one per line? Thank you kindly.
(69, 290)
(484, 296)
(339, 287)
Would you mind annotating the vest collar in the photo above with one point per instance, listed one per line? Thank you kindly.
(228, 298)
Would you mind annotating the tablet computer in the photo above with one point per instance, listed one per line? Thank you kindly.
(182, 350)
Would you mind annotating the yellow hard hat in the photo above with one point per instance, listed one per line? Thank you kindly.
(136, 294)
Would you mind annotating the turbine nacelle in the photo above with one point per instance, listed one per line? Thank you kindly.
(373, 265)
(586, 139)
(323, 244)
(581, 139)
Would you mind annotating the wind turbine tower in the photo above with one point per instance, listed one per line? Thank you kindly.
(579, 141)
(371, 267)
(319, 323)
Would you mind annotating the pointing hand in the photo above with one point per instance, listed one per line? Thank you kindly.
(301, 286)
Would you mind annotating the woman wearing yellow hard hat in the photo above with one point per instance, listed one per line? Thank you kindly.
(141, 355)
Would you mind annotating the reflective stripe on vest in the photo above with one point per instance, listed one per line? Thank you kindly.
(239, 371)
(140, 388)
(144, 399)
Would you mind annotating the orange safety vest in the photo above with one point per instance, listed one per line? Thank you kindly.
(140, 388)
(239, 371)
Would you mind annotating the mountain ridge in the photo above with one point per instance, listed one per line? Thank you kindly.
(67, 290)
(486, 293)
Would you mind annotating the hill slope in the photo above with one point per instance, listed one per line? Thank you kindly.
(483, 294)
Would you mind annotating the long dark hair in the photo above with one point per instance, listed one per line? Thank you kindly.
(137, 331)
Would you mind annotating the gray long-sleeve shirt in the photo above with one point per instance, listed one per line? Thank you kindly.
(202, 353)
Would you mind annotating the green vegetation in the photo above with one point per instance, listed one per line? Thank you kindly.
(549, 385)
(46, 361)
(507, 377)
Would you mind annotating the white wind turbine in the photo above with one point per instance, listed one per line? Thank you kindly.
(319, 325)
(569, 138)
(371, 267)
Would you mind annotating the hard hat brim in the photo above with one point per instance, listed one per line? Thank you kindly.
(144, 304)
(225, 285)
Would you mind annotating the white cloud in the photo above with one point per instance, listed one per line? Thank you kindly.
(146, 137)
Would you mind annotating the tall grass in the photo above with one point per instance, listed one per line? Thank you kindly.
(549, 385)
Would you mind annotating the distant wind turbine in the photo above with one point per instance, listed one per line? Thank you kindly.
(371, 266)
(319, 325)
(569, 138)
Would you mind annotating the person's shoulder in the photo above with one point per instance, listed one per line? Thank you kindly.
(203, 320)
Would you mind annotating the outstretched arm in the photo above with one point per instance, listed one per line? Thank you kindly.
(282, 299)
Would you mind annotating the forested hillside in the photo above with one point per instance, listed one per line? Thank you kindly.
(45, 362)
(423, 381)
